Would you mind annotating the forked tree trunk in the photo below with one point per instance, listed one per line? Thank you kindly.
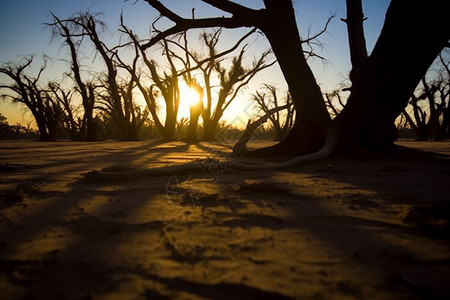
(411, 38)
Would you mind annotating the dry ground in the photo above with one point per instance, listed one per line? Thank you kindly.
(334, 229)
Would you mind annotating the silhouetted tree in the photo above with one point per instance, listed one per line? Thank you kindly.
(69, 122)
(134, 114)
(268, 99)
(430, 106)
(16, 131)
(335, 100)
(166, 82)
(232, 79)
(165, 86)
(86, 129)
(211, 65)
(26, 89)
(121, 108)
(196, 108)
(385, 82)
(278, 24)
(389, 77)
(444, 95)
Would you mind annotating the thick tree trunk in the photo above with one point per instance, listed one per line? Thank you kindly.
(412, 37)
(210, 129)
(312, 117)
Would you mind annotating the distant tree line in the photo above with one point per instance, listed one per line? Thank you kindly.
(18, 131)
(135, 96)
(104, 104)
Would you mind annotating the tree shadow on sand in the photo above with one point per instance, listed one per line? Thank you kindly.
(328, 229)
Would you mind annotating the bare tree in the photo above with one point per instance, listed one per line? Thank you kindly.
(389, 77)
(277, 22)
(26, 89)
(115, 99)
(266, 100)
(444, 95)
(377, 96)
(69, 122)
(335, 100)
(134, 115)
(165, 86)
(430, 106)
(73, 38)
(232, 80)
(166, 82)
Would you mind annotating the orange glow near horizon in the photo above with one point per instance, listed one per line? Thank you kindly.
(188, 98)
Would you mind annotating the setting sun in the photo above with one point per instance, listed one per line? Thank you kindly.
(188, 94)
(188, 97)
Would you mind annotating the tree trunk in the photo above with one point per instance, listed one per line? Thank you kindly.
(210, 127)
(192, 129)
(209, 131)
(356, 39)
(312, 117)
(413, 35)
(195, 111)
(169, 127)
(411, 38)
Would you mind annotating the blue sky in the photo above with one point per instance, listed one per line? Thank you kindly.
(22, 31)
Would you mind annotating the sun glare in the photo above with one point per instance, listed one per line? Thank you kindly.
(236, 114)
(188, 98)
(188, 95)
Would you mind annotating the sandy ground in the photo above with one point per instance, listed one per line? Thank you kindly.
(334, 229)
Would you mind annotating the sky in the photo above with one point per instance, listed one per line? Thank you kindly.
(22, 32)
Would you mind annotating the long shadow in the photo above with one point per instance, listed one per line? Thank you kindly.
(323, 225)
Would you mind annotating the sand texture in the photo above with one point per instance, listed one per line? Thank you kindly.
(334, 229)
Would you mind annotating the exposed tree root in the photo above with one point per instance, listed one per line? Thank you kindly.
(213, 167)
(325, 151)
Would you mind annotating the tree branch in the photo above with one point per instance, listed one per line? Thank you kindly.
(183, 24)
(324, 29)
(163, 10)
(187, 24)
(230, 7)
(214, 57)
